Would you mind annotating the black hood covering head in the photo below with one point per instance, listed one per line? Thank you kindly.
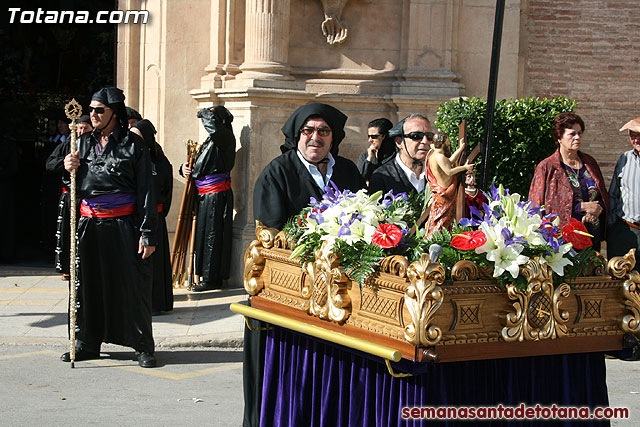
(148, 132)
(133, 114)
(113, 98)
(398, 129)
(334, 118)
(84, 119)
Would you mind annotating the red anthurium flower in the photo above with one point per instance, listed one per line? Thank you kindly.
(576, 233)
(387, 236)
(469, 240)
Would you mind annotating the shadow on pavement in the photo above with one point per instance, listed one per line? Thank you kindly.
(183, 357)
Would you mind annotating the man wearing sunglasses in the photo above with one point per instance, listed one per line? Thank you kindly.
(404, 172)
(308, 163)
(116, 233)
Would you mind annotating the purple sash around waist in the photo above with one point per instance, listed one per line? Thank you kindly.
(209, 180)
(110, 201)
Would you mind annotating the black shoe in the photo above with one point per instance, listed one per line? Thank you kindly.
(80, 356)
(147, 360)
(202, 287)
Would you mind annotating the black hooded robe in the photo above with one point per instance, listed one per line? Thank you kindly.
(114, 282)
(55, 165)
(282, 190)
(162, 183)
(214, 225)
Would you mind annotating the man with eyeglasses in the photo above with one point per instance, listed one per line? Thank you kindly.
(309, 160)
(624, 217)
(116, 233)
(404, 173)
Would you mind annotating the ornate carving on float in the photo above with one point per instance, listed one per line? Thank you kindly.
(326, 288)
(466, 270)
(396, 265)
(422, 298)
(620, 266)
(631, 292)
(333, 28)
(265, 235)
(282, 241)
(253, 266)
(537, 313)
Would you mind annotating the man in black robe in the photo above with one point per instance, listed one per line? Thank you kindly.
(116, 233)
(162, 183)
(212, 177)
(405, 171)
(308, 161)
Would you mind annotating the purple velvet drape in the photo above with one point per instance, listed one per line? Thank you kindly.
(308, 382)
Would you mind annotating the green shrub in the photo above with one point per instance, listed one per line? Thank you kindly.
(521, 135)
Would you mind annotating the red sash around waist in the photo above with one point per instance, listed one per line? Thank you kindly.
(160, 207)
(215, 188)
(107, 213)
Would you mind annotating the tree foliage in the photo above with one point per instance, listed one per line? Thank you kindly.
(521, 134)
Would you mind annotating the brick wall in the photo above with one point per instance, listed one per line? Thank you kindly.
(588, 50)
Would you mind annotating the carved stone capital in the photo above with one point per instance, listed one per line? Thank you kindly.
(422, 298)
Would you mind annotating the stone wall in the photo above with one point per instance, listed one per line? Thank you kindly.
(588, 50)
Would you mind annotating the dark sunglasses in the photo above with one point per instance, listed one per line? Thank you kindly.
(98, 110)
(374, 136)
(322, 131)
(417, 136)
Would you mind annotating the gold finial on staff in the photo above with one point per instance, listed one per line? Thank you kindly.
(73, 111)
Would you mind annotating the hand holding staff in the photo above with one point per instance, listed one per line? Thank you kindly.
(73, 110)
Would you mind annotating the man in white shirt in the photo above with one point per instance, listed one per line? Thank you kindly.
(624, 217)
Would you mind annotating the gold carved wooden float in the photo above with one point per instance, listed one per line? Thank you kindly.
(408, 307)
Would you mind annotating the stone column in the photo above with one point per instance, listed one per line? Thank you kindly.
(266, 40)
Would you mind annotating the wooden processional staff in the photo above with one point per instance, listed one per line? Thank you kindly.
(73, 110)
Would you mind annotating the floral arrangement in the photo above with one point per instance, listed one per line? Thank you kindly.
(362, 228)
(507, 233)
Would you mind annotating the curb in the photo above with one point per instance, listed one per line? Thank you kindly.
(209, 340)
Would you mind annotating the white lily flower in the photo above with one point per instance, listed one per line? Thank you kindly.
(557, 261)
(507, 258)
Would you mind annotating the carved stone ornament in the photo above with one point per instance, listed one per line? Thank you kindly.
(327, 288)
(422, 298)
(537, 313)
(620, 266)
(631, 292)
(333, 28)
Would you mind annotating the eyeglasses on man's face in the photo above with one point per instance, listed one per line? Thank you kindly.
(98, 110)
(417, 136)
(322, 130)
(374, 136)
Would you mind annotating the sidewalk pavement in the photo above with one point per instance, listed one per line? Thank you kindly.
(34, 302)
